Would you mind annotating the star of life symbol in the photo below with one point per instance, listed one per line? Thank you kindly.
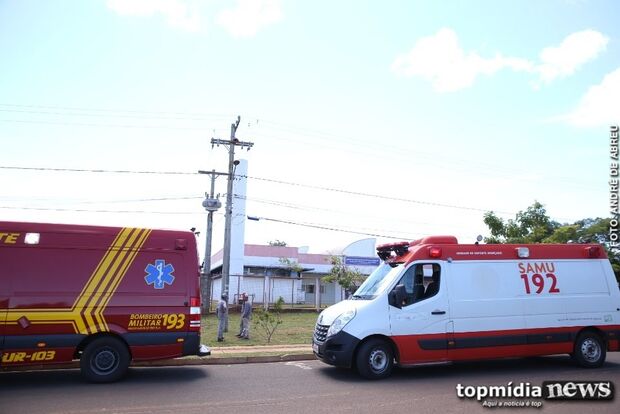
(159, 274)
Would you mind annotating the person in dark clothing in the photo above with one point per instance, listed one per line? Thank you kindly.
(222, 317)
(246, 315)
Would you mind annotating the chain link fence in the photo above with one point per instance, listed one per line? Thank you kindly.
(305, 292)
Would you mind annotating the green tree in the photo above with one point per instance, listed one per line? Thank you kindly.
(530, 226)
(267, 321)
(348, 278)
(534, 226)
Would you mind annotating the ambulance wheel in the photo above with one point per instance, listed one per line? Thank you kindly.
(589, 351)
(105, 359)
(375, 359)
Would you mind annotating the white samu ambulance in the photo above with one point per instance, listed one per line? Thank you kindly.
(436, 300)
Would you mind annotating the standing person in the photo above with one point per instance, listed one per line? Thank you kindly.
(246, 315)
(241, 304)
(222, 317)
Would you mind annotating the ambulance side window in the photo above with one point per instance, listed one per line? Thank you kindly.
(421, 281)
(432, 273)
(408, 281)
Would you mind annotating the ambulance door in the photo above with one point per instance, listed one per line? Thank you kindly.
(419, 324)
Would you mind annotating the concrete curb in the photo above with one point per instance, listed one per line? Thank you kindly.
(226, 360)
(179, 362)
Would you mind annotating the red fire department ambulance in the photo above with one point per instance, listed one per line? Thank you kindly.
(103, 295)
(436, 300)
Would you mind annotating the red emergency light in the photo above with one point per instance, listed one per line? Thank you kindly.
(593, 251)
(434, 252)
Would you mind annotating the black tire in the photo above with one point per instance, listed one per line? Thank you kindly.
(589, 350)
(375, 359)
(105, 359)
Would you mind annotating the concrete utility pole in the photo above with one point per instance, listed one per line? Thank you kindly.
(211, 204)
(231, 144)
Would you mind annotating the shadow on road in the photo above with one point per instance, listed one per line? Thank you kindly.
(72, 377)
(550, 365)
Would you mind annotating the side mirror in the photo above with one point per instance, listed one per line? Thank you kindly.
(397, 296)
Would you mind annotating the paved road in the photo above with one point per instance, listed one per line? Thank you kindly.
(291, 387)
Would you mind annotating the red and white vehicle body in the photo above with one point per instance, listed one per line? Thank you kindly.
(436, 300)
(104, 295)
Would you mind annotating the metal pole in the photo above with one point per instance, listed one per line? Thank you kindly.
(228, 222)
(211, 204)
(205, 284)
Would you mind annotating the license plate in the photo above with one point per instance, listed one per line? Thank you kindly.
(315, 347)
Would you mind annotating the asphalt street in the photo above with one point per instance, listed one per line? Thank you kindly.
(294, 387)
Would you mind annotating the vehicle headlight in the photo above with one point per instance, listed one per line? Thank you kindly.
(341, 322)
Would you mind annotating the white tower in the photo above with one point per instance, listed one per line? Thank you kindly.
(237, 234)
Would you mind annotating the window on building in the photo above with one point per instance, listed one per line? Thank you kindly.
(282, 272)
(309, 289)
(252, 270)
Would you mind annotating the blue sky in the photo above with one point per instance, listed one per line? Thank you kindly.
(482, 105)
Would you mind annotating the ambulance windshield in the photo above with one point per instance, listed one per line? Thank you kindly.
(377, 282)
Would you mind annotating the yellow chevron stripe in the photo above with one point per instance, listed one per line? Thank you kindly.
(141, 239)
(106, 277)
(91, 287)
(98, 290)
(103, 262)
(102, 268)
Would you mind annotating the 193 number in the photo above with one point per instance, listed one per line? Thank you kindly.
(539, 282)
(174, 321)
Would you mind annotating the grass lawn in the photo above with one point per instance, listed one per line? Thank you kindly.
(296, 328)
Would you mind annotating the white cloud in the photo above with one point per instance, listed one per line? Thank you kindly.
(599, 106)
(574, 51)
(249, 16)
(441, 60)
(176, 12)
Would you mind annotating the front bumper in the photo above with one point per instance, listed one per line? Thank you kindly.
(337, 350)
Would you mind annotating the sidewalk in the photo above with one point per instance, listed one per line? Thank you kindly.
(224, 355)
(280, 349)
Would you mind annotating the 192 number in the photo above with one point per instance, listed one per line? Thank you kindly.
(539, 282)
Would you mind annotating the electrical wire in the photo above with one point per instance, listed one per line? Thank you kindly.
(315, 134)
(101, 211)
(107, 125)
(271, 180)
(327, 227)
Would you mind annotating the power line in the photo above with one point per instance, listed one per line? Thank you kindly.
(106, 125)
(111, 115)
(305, 207)
(271, 180)
(114, 111)
(310, 225)
(363, 194)
(327, 227)
(101, 211)
(277, 126)
(82, 170)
